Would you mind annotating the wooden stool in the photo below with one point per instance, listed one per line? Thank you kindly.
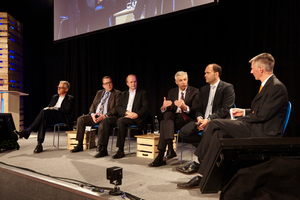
(147, 145)
(87, 142)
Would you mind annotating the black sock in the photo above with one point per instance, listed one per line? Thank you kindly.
(170, 144)
(160, 155)
(80, 143)
(40, 142)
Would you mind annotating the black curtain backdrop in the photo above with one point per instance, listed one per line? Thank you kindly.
(229, 34)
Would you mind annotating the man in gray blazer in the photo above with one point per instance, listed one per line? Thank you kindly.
(102, 112)
(178, 109)
(264, 119)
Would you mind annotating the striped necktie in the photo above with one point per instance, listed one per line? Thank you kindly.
(103, 102)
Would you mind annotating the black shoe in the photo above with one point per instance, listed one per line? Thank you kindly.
(101, 153)
(119, 154)
(157, 163)
(170, 154)
(77, 149)
(22, 134)
(193, 183)
(191, 168)
(38, 149)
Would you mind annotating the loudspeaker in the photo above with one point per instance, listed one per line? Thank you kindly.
(233, 154)
(8, 139)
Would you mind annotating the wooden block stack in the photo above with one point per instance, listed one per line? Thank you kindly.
(72, 142)
(147, 145)
(11, 68)
(11, 53)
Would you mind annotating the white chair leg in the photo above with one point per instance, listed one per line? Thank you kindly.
(112, 140)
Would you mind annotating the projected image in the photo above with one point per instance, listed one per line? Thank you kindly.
(75, 17)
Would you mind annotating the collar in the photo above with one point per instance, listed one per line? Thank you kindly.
(263, 83)
(216, 84)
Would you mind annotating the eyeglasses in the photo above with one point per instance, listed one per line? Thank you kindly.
(107, 83)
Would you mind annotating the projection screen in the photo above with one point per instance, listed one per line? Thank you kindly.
(76, 17)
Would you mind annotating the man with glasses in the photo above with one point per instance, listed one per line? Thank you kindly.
(103, 113)
(59, 110)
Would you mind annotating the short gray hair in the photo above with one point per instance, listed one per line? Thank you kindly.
(180, 73)
(266, 60)
(66, 84)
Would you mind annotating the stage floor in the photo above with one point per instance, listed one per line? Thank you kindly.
(138, 179)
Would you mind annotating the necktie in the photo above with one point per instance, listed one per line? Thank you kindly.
(260, 88)
(210, 102)
(103, 102)
(182, 112)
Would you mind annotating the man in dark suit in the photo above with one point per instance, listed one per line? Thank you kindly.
(215, 100)
(178, 109)
(132, 108)
(264, 119)
(102, 112)
(59, 110)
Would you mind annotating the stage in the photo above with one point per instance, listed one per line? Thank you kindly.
(69, 175)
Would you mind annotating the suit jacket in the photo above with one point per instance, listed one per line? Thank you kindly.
(66, 109)
(140, 106)
(190, 100)
(111, 104)
(268, 109)
(223, 100)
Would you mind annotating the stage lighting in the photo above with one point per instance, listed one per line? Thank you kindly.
(115, 175)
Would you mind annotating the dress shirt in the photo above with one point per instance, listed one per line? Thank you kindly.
(59, 101)
(130, 100)
(212, 93)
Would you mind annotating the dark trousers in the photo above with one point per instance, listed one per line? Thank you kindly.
(171, 122)
(45, 119)
(219, 128)
(189, 134)
(104, 129)
(122, 124)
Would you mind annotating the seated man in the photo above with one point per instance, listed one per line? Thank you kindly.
(102, 112)
(264, 119)
(132, 108)
(178, 109)
(59, 110)
(214, 102)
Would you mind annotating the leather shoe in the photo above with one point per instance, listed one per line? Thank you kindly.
(22, 134)
(193, 183)
(170, 154)
(38, 149)
(77, 149)
(157, 163)
(101, 153)
(119, 154)
(191, 168)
